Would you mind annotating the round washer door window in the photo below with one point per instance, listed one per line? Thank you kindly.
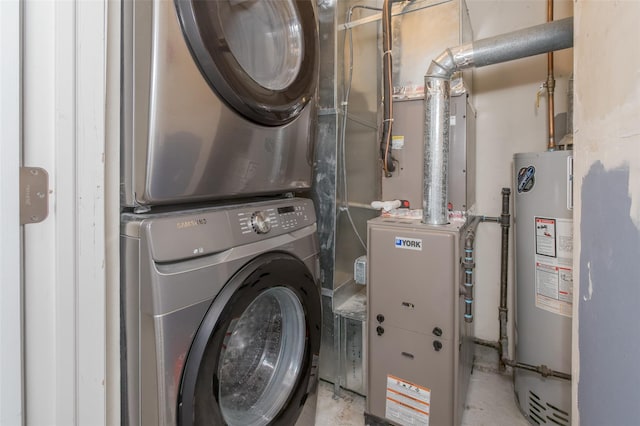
(259, 56)
(253, 361)
(261, 358)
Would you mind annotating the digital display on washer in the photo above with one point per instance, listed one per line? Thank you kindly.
(288, 209)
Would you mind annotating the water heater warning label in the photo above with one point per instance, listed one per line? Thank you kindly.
(407, 403)
(554, 265)
(546, 236)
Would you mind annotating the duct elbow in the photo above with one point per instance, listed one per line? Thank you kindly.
(450, 61)
(442, 66)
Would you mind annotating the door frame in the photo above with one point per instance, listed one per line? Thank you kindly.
(11, 385)
(68, 128)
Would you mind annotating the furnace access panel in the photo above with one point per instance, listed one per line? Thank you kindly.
(419, 347)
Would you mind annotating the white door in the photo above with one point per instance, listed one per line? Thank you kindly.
(54, 343)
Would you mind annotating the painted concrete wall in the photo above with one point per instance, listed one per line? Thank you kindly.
(606, 342)
(508, 122)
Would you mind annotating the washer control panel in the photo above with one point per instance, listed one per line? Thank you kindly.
(200, 232)
(280, 219)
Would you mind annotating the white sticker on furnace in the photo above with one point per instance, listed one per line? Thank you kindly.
(407, 403)
(409, 243)
(397, 142)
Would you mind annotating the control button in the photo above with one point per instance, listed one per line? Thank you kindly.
(380, 330)
(437, 345)
(260, 222)
(437, 331)
(380, 318)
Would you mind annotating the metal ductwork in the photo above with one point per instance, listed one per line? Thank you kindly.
(531, 41)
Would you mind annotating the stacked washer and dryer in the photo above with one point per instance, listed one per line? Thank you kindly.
(220, 306)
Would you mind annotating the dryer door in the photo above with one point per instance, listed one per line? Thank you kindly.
(254, 359)
(260, 56)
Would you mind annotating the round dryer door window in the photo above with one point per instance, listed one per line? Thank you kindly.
(271, 53)
(254, 359)
(260, 56)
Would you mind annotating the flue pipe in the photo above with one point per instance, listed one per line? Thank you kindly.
(531, 41)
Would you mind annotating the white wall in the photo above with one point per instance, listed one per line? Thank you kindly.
(508, 122)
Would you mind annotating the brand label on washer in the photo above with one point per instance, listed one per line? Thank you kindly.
(191, 223)
(409, 243)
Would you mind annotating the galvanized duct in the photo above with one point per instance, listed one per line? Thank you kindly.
(531, 41)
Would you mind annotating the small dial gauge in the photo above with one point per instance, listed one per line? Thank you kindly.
(260, 222)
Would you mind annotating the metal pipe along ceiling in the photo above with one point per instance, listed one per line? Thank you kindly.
(531, 41)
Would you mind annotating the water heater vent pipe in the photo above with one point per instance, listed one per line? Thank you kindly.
(531, 41)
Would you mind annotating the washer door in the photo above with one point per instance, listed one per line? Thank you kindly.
(260, 56)
(254, 358)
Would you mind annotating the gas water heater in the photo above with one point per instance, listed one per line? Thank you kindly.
(544, 282)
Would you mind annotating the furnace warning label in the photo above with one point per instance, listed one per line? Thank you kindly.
(554, 265)
(407, 403)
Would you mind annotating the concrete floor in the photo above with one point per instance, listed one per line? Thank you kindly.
(490, 400)
(348, 410)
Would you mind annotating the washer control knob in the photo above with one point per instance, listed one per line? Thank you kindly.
(260, 222)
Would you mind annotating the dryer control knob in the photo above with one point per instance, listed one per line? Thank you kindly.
(260, 223)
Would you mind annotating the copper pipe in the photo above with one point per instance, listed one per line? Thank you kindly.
(550, 85)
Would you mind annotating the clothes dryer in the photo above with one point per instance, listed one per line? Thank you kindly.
(218, 99)
(221, 315)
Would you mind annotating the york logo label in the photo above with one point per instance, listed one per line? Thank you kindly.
(409, 243)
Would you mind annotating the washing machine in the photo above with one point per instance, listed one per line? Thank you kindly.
(221, 315)
(217, 99)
